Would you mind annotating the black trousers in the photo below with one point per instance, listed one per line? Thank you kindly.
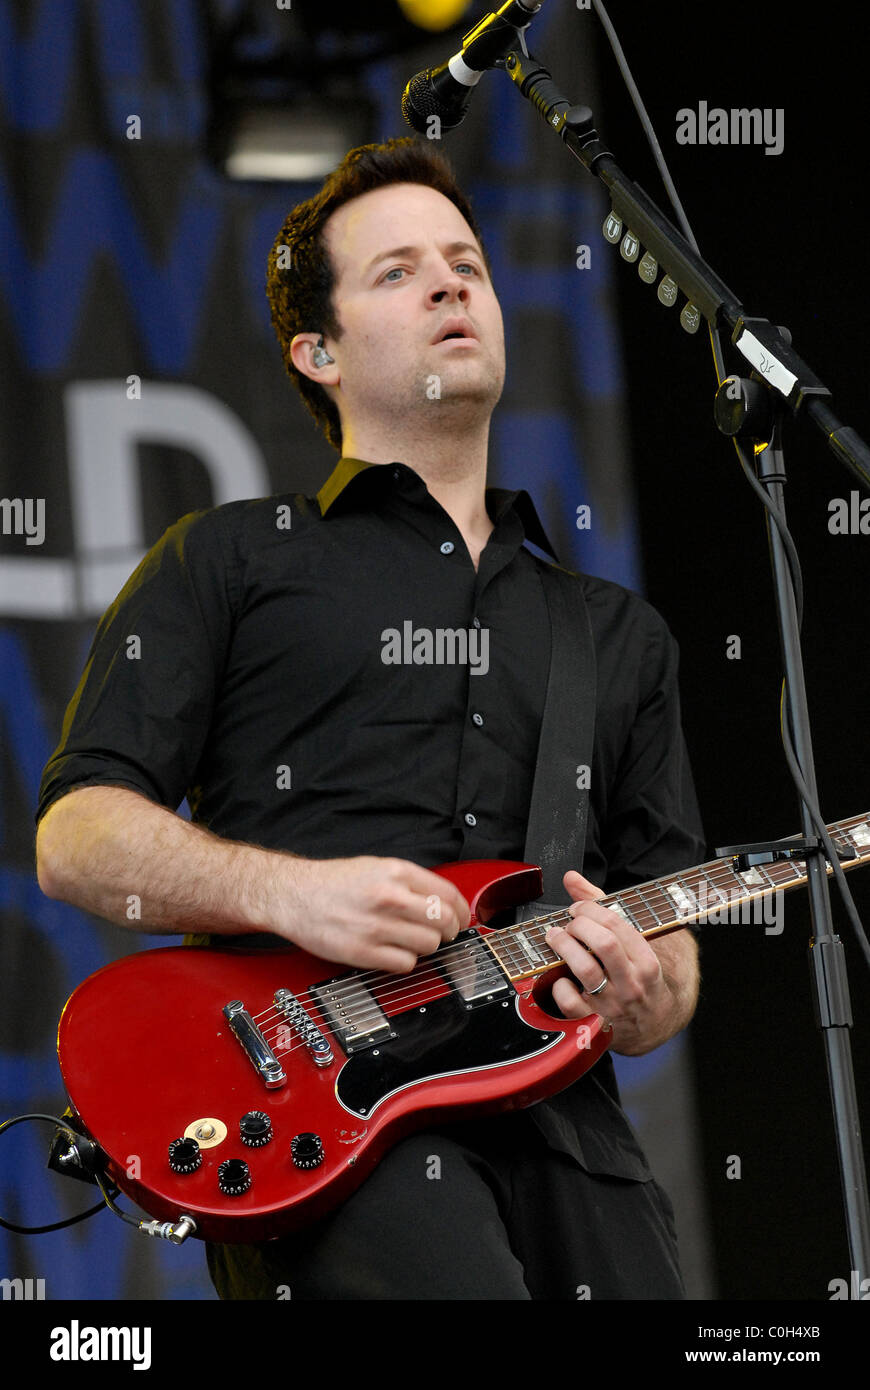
(476, 1210)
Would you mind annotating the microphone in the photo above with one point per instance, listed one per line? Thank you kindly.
(445, 91)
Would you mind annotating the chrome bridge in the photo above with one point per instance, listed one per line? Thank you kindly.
(257, 1050)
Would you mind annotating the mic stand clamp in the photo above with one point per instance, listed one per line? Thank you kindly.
(776, 851)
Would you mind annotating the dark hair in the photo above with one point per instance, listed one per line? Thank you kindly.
(299, 288)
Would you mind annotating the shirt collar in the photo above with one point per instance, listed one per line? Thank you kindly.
(342, 482)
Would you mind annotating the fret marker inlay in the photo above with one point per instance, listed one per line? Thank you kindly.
(533, 954)
(685, 906)
(752, 876)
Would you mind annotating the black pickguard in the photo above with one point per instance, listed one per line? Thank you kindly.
(447, 1038)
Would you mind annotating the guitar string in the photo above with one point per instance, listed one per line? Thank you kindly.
(445, 987)
(406, 993)
(360, 1025)
(354, 983)
(504, 936)
(370, 1010)
(419, 985)
(450, 953)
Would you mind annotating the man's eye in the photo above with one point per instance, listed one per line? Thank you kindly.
(388, 276)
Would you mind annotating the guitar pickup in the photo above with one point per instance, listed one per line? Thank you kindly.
(353, 1013)
(473, 971)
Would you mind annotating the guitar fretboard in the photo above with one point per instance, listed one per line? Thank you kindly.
(708, 892)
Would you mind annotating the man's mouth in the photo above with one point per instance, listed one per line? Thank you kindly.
(455, 330)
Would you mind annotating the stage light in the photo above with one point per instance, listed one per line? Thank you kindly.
(291, 143)
(287, 91)
(434, 15)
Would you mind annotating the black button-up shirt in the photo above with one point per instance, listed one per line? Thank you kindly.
(332, 677)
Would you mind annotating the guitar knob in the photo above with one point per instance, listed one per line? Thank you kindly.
(184, 1156)
(255, 1129)
(306, 1150)
(234, 1177)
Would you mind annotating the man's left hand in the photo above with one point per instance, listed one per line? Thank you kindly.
(651, 986)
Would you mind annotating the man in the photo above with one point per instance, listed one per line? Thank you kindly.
(325, 780)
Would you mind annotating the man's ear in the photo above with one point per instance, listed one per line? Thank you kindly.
(313, 359)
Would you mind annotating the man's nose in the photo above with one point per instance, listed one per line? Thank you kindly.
(450, 286)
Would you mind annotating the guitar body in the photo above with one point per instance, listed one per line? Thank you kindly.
(150, 1055)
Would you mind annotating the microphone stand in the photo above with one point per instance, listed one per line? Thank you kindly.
(637, 223)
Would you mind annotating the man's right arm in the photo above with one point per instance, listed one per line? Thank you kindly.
(97, 847)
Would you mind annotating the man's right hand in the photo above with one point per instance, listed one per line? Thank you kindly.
(373, 913)
(99, 846)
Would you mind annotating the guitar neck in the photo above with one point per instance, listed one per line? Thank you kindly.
(668, 904)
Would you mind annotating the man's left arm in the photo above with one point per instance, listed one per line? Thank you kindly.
(651, 987)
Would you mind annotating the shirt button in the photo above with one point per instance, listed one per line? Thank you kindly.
(477, 719)
(476, 622)
(447, 548)
(470, 819)
(396, 474)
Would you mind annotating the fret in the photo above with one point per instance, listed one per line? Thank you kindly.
(525, 944)
(693, 882)
(519, 953)
(518, 959)
(558, 918)
(764, 870)
(746, 884)
(860, 836)
(548, 955)
(787, 873)
(684, 902)
(641, 908)
(616, 904)
(692, 888)
(650, 909)
(502, 950)
(751, 878)
(723, 897)
(665, 905)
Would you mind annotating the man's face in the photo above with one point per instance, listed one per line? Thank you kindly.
(408, 269)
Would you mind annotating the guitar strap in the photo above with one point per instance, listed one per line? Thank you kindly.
(559, 810)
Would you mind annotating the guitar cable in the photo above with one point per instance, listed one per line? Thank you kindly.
(87, 1152)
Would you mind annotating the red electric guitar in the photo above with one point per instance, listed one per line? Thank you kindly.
(251, 1090)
